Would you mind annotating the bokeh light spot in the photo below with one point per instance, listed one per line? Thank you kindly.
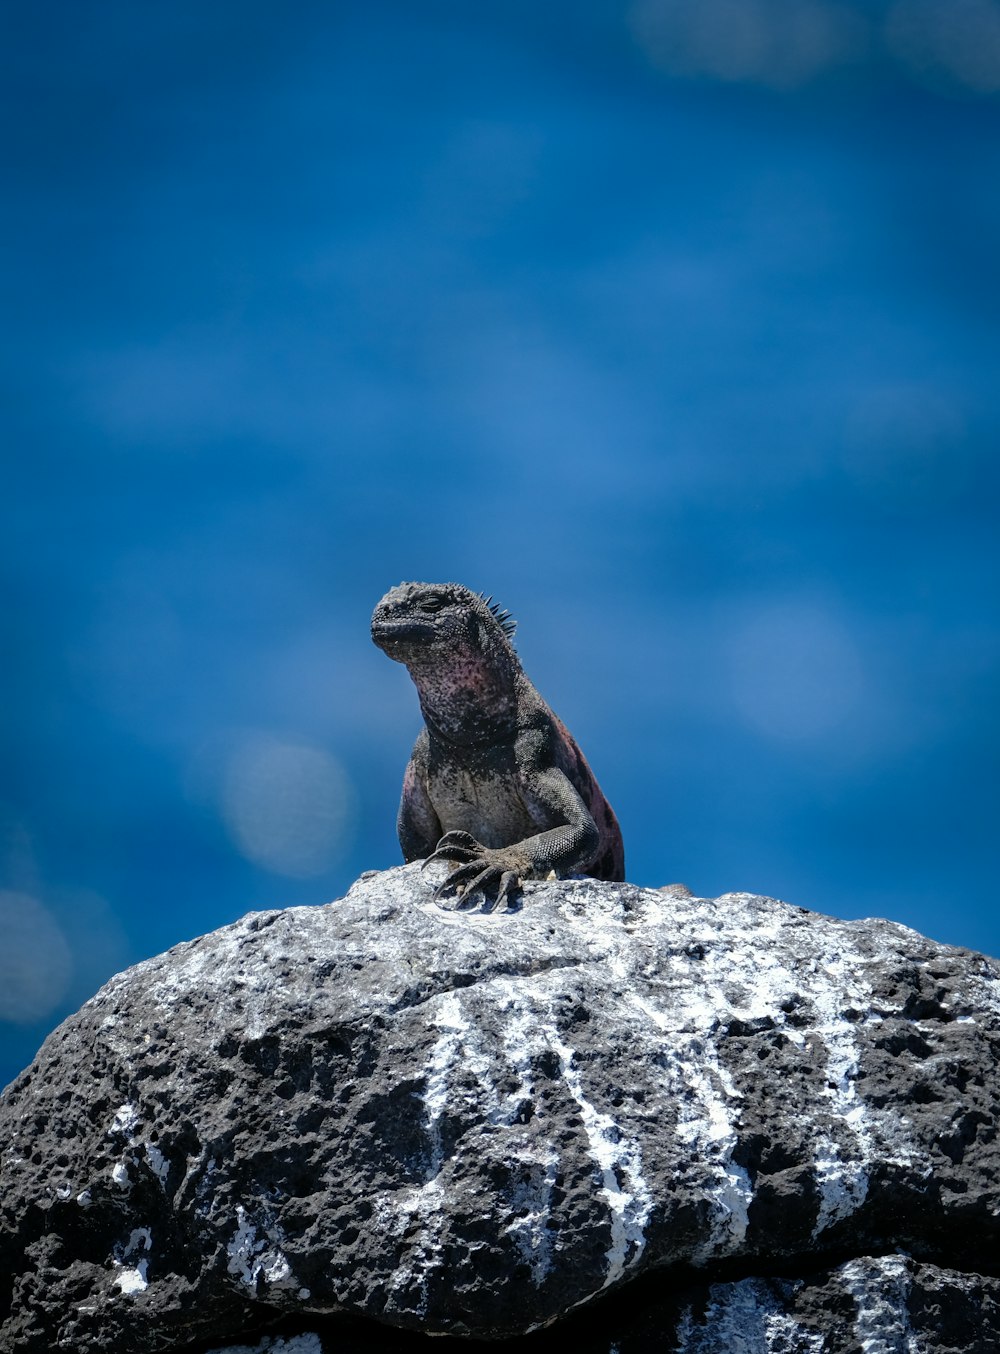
(288, 806)
(36, 964)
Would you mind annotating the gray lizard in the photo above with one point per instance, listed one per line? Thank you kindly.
(496, 782)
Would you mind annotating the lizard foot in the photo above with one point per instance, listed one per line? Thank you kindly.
(493, 872)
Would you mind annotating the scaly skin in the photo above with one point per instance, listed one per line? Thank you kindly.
(496, 782)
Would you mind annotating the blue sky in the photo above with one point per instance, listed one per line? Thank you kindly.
(672, 325)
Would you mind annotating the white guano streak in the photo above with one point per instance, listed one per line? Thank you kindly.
(125, 1121)
(842, 1179)
(618, 1158)
(615, 1156)
(424, 1201)
(744, 1318)
(251, 1259)
(531, 1201)
(841, 1165)
(704, 1123)
(880, 1288)
(132, 1279)
(450, 1020)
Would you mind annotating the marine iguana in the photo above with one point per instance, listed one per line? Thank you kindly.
(495, 782)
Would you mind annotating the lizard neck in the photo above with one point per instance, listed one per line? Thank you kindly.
(469, 698)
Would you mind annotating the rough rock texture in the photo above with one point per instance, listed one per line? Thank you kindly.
(877, 1305)
(472, 1123)
(872, 1305)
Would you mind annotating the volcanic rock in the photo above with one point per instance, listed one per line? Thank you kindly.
(470, 1123)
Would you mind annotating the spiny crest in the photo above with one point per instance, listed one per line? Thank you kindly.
(507, 622)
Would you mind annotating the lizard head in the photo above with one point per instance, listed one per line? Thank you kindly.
(423, 624)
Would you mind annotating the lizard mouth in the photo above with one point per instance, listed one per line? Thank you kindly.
(389, 635)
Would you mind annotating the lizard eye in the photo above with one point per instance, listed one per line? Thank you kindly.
(434, 602)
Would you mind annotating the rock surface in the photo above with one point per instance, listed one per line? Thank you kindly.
(471, 1124)
(877, 1305)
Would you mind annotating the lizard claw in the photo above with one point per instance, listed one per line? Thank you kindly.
(509, 884)
(460, 878)
(460, 846)
(459, 838)
(463, 839)
(485, 875)
(448, 853)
